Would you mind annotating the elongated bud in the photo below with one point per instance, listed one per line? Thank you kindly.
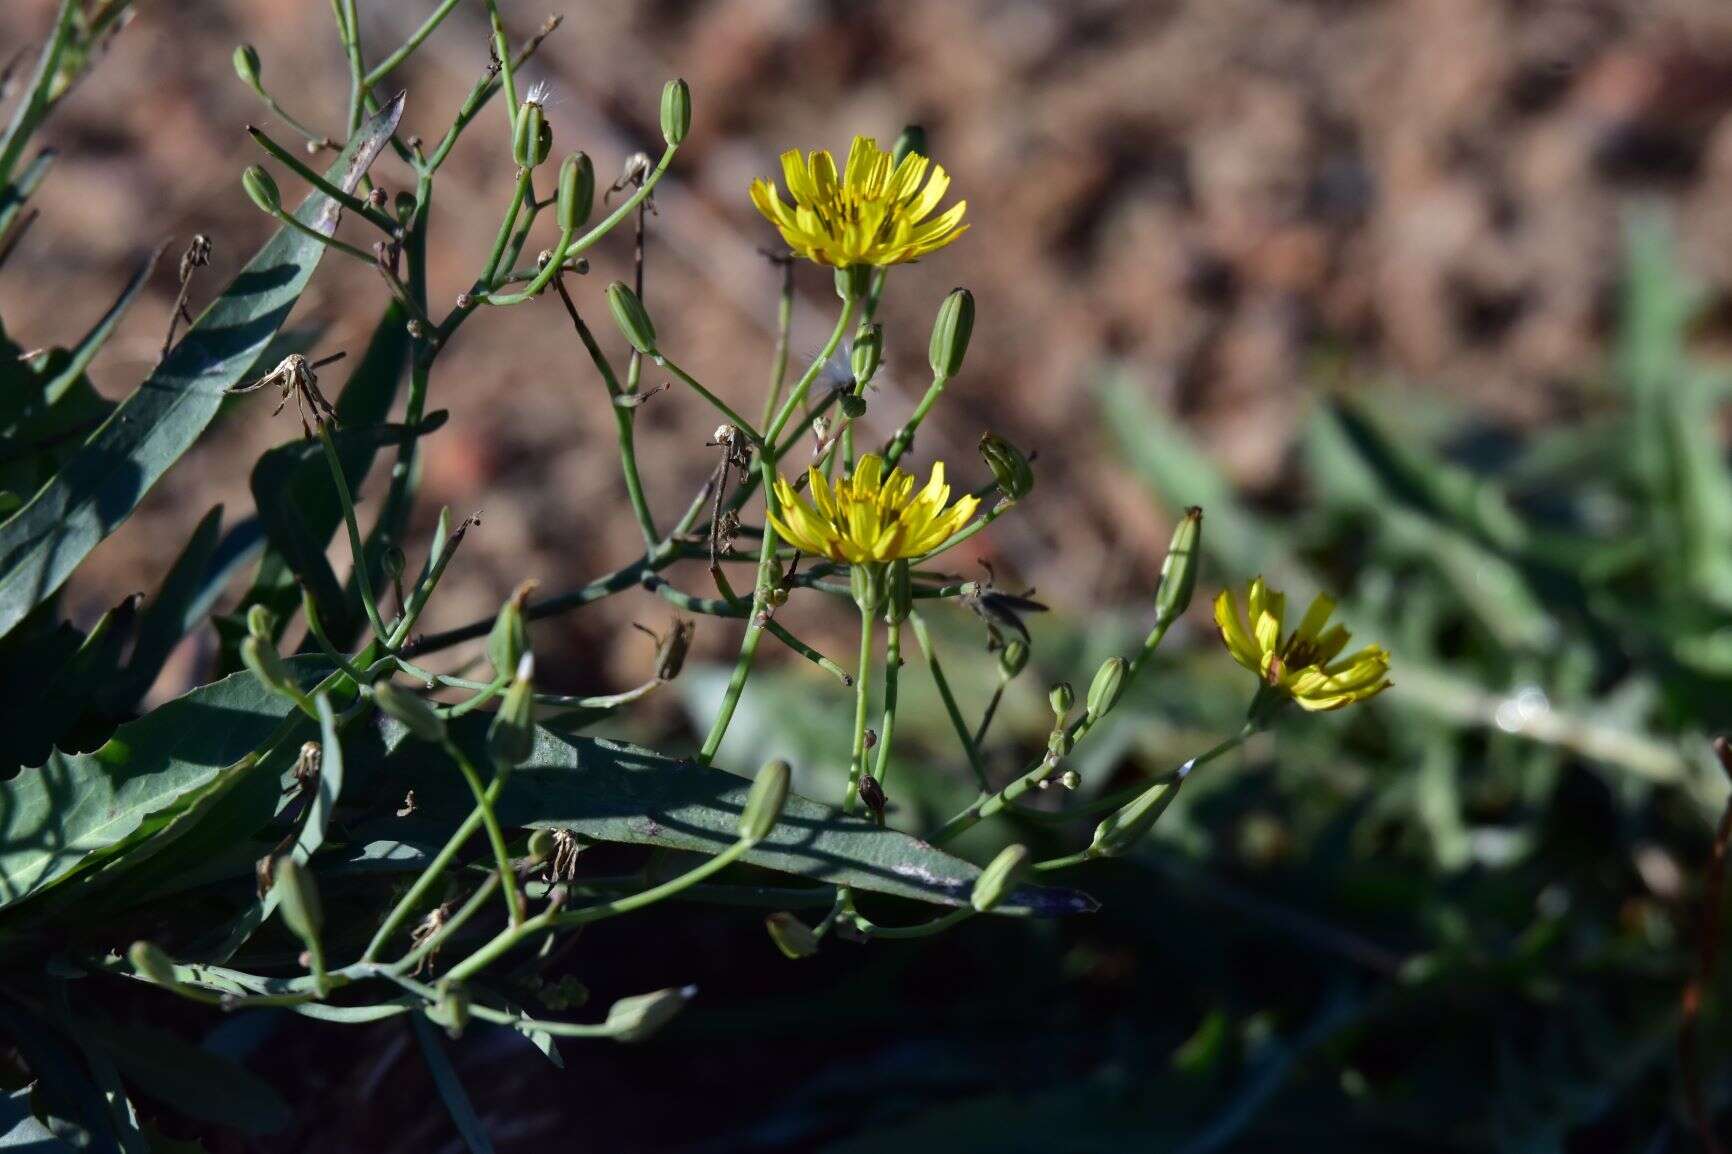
(266, 664)
(950, 333)
(867, 352)
(912, 139)
(1179, 570)
(792, 936)
(261, 623)
(247, 65)
(1001, 875)
(764, 803)
(671, 650)
(393, 561)
(632, 318)
(1118, 832)
(151, 963)
(676, 111)
(533, 137)
(1013, 658)
(298, 900)
(636, 1018)
(511, 737)
(853, 281)
(576, 191)
(898, 593)
(416, 715)
(451, 1007)
(263, 190)
(1104, 690)
(1061, 697)
(1010, 467)
(541, 845)
(509, 640)
(867, 583)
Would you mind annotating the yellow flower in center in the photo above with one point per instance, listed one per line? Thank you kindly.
(869, 518)
(1303, 665)
(874, 214)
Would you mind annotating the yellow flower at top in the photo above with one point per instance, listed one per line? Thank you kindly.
(874, 214)
(869, 518)
(1302, 665)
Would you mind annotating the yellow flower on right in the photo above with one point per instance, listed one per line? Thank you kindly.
(1302, 665)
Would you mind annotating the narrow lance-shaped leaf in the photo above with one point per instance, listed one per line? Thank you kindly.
(99, 487)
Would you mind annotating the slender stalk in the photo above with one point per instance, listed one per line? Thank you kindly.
(930, 652)
(804, 385)
(395, 60)
(623, 420)
(301, 169)
(716, 402)
(887, 728)
(288, 218)
(351, 34)
(365, 579)
(905, 435)
(423, 885)
(862, 685)
(784, 325)
(484, 796)
(502, 49)
(519, 193)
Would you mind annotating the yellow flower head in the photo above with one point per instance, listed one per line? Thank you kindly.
(875, 214)
(869, 518)
(1303, 665)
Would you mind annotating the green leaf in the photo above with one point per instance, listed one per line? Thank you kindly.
(450, 1087)
(99, 487)
(197, 1082)
(182, 601)
(614, 792)
(53, 818)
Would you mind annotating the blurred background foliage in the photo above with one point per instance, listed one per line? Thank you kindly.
(1423, 302)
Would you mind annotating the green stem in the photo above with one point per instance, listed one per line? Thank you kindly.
(784, 325)
(716, 402)
(368, 601)
(862, 684)
(484, 796)
(502, 49)
(301, 169)
(887, 729)
(423, 885)
(930, 652)
(804, 385)
(289, 219)
(623, 420)
(519, 193)
(31, 110)
(905, 435)
(924, 930)
(385, 66)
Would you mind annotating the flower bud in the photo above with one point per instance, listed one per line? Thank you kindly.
(533, 137)
(263, 190)
(1012, 658)
(451, 1007)
(950, 333)
(511, 737)
(540, 845)
(576, 191)
(1179, 570)
(298, 900)
(261, 623)
(631, 317)
(636, 1018)
(898, 593)
(866, 581)
(509, 640)
(404, 205)
(415, 714)
(394, 562)
(999, 878)
(1069, 779)
(266, 664)
(1104, 690)
(247, 66)
(151, 963)
(676, 112)
(792, 936)
(764, 803)
(853, 281)
(1119, 831)
(911, 140)
(1010, 468)
(867, 351)
(1061, 697)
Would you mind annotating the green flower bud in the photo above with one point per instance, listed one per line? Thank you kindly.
(853, 407)
(898, 593)
(533, 137)
(912, 139)
(261, 623)
(867, 351)
(151, 963)
(999, 878)
(451, 1007)
(511, 737)
(266, 664)
(415, 714)
(394, 562)
(764, 803)
(1010, 468)
(509, 640)
(404, 205)
(1179, 571)
(631, 317)
(636, 1018)
(576, 191)
(263, 190)
(1104, 690)
(1118, 832)
(1012, 658)
(867, 583)
(950, 333)
(1061, 697)
(541, 845)
(247, 65)
(854, 281)
(792, 936)
(298, 900)
(676, 112)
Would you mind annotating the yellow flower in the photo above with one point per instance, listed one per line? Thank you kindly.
(1303, 666)
(875, 214)
(869, 518)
